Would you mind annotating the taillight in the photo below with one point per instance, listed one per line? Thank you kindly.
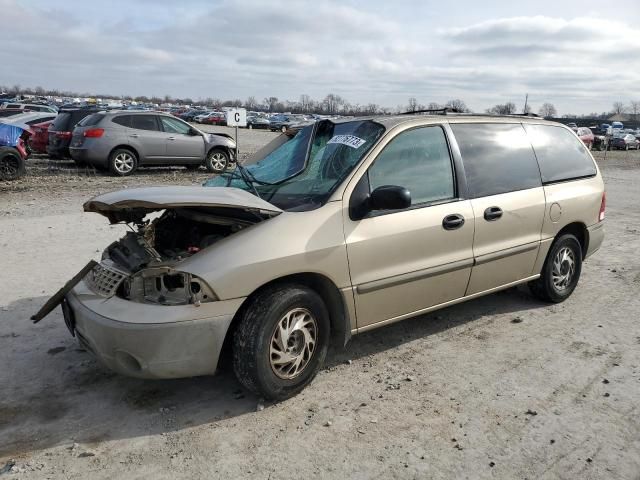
(93, 133)
(603, 205)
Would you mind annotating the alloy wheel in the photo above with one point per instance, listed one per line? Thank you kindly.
(123, 162)
(218, 161)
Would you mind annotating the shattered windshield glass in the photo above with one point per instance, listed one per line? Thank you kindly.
(299, 171)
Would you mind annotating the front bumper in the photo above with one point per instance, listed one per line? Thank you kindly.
(151, 341)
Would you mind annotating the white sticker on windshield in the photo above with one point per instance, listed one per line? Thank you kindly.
(348, 140)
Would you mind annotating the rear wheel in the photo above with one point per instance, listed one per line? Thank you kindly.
(11, 164)
(281, 341)
(217, 161)
(561, 271)
(122, 162)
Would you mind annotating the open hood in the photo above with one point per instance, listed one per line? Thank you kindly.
(131, 205)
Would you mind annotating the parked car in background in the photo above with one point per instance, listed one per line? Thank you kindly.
(122, 141)
(284, 122)
(615, 128)
(586, 135)
(14, 150)
(572, 126)
(202, 116)
(40, 137)
(624, 142)
(191, 114)
(599, 138)
(256, 121)
(215, 118)
(29, 107)
(30, 118)
(61, 130)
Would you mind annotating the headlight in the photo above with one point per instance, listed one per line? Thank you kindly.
(167, 287)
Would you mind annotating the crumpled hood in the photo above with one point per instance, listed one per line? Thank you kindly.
(131, 205)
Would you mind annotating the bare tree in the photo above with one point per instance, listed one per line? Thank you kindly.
(547, 110)
(271, 103)
(305, 103)
(618, 108)
(634, 107)
(508, 108)
(251, 103)
(457, 105)
(433, 106)
(413, 105)
(332, 102)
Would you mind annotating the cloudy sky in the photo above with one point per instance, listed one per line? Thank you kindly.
(580, 55)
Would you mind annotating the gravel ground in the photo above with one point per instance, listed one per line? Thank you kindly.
(499, 387)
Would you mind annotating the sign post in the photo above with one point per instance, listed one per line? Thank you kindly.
(237, 117)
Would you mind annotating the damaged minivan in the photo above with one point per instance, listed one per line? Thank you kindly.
(338, 227)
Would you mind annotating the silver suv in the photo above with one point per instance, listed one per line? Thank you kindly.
(124, 140)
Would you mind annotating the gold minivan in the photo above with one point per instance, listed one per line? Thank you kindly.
(339, 227)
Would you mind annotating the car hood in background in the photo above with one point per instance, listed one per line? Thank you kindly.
(132, 205)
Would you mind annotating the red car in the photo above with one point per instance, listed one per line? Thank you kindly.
(586, 135)
(215, 119)
(40, 137)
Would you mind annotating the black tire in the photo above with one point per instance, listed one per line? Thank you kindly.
(217, 161)
(256, 332)
(545, 287)
(123, 162)
(11, 164)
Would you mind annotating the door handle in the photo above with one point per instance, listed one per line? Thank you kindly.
(492, 214)
(171, 138)
(451, 222)
(134, 135)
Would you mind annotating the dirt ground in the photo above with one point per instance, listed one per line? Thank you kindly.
(499, 387)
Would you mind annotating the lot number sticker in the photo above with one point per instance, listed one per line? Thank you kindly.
(348, 140)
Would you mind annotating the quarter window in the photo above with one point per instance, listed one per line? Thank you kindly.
(560, 154)
(418, 160)
(124, 120)
(144, 122)
(497, 158)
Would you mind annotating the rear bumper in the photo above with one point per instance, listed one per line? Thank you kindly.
(87, 156)
(596, 237)
(151, 341)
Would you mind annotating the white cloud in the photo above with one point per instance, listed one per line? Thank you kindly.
(284, 48)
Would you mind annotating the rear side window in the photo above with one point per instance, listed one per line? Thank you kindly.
(418, 160)
(560, 154)
(144, 122)
(497, 158)
(91, 120)
(124, 120)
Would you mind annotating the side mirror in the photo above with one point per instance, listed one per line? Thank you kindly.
(390, 197)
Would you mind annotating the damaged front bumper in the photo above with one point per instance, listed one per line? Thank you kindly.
(150, 341)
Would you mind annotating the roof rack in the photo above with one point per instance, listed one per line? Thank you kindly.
(437, 111)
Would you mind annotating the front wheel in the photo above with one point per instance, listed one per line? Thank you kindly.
(561, 271)
(281, 341)
(217, 161)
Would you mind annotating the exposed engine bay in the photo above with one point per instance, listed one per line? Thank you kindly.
(140, 266)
